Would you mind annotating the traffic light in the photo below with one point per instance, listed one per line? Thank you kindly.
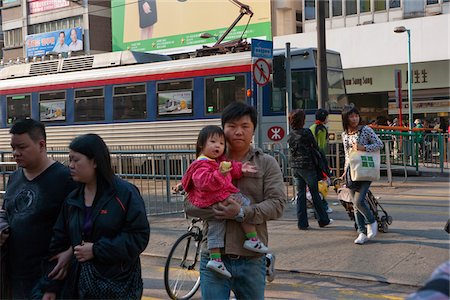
(279, 72)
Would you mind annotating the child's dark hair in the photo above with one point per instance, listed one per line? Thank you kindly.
(206, 133)
(93, 146)
(35, 129)
(346, 112)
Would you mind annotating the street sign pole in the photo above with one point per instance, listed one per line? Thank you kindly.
(262, 54)
(259, 100)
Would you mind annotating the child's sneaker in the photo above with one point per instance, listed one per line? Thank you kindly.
(270, 267)
(256, 246)
(219, 267)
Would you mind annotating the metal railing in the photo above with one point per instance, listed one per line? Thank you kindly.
(155, 171)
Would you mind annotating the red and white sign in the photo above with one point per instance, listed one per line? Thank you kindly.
(37, 6)
(275, 133)
(261, 71)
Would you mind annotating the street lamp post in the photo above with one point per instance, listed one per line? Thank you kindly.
(402, 29)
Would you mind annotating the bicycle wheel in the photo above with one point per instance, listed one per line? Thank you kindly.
(182, 269)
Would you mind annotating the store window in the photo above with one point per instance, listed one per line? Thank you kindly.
(17, 107)
(310, 9)
(89, 105)
(52, 106)
(350, 7)
(429, 2)
(221, 91)
(174, 97)
(380, 5)
(130, 102)
(337, 8)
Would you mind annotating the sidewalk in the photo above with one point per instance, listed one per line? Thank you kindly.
(414, 246)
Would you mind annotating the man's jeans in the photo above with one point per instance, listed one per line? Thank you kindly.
(363, 214)
(303, 177)
(247, 282)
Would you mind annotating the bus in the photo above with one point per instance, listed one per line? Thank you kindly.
(139, 99)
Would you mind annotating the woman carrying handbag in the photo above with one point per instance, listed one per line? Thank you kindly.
(302, 145)
(357, 137)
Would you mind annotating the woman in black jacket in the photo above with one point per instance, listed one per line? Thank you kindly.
(105, 223)
(301, 144)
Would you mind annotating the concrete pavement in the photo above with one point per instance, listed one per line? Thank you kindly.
(414, 246)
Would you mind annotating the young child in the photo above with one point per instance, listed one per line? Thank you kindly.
(208, 181)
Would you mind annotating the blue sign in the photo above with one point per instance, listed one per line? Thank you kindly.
(61, 41)
(262, 49)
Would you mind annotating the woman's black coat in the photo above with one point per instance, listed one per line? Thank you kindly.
(120, 230)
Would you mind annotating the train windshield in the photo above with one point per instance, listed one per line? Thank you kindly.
(304, 84)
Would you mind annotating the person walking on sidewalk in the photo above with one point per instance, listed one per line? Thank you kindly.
(207, 181)
(301, 145)
(34, 195)
(361, 138)
(320, 133)
(266, 191)
(105, 223)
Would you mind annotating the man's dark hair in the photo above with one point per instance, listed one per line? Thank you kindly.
(236, 110)
(321, 114)
(346, 112)
(296, 119)
(205, 134)
(95, 148)
(35, 129)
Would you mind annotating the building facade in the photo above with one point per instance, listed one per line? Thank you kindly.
(363, 32)
(35, 27)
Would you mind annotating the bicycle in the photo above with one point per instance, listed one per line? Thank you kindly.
(181, 271)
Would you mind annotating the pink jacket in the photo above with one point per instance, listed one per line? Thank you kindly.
(205, 184)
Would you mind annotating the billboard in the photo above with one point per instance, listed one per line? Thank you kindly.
(61, 41)
(174, 26)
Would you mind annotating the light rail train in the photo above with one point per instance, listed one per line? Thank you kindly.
(138, 99)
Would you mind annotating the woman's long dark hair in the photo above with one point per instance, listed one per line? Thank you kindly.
(93, 146)
(346, 112)
(204, 135)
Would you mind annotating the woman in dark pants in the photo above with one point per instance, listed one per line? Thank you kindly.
(301, 143)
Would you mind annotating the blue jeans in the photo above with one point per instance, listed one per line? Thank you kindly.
(248, 279)
(302, 178)
(363, 214)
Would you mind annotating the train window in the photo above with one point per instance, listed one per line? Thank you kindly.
(221, 91)
(174, 97)
(129, 102)
(304, 89)
(52, 106)
(175, 85)
(89, 105)
(17, 107)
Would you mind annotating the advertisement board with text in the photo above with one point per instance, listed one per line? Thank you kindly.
(61, 41)
(174, 26)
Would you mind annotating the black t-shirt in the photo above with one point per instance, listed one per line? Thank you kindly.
(32, 207)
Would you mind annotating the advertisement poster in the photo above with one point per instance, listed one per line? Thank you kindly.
(175, 26)
(52, 110)
(61, 41)
(170, 103)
